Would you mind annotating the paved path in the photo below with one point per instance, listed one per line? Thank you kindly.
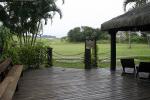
(78, 84)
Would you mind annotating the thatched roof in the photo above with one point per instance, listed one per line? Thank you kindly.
(136, 19)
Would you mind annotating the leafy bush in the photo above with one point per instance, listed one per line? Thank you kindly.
(138, 39)
(8, 45)
(33, 56)
(13, 54)
(29, 56)
(5, 39)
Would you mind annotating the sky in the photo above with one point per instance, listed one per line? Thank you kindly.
(78, 13)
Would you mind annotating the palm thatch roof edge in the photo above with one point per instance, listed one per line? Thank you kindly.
(137, 18)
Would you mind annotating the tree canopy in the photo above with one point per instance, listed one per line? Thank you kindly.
(78, 34)
(137, 3)
(26, 18)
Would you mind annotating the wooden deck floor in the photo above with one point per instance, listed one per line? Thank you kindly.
(78, 84)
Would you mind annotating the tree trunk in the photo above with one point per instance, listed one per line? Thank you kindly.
(129, 39)
(148, 40)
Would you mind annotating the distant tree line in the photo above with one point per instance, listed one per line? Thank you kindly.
(78, 34)
(135, 37)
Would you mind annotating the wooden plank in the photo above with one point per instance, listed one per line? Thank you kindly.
(4, 84)
(5, 64)
(79, 84)
(15, 73)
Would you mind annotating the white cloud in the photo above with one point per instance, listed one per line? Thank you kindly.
(83, 13)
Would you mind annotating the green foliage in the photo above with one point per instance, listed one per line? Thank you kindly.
(75, 35)
(138, 39)
(78, 34)
(26, 18)
(13, 53)
(6, 40)
(134, 38)
(32, 56)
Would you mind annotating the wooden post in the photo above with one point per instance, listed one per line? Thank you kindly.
(113, 50)
(49, 56)
(95, 53)
(90, 59)
(87, 59)
(129, 32)
(87, 55)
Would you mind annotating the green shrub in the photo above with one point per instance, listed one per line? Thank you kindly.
(12, 53)
(27, 55)
(32, 56)
(138, 39)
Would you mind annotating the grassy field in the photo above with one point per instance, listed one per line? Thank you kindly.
(65, 54)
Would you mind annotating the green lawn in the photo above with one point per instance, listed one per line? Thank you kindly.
(141, 52)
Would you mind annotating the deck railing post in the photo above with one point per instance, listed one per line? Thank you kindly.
(95, 53)
(87, 59)
(113, 50)
(90, 58)
(49, 56)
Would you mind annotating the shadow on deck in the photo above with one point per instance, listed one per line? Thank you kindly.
(78, 84)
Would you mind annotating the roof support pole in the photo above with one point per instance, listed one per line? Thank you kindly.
(113, 50)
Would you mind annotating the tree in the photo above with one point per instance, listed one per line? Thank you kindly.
(74, 35)
(78, 34)
(26, 18)
(137, 3)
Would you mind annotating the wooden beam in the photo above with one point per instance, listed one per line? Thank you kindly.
(113, 50)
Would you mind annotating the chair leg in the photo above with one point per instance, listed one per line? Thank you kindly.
(137, 74)
(124, 70)
(134, 71)
(17, 88)
(149, 76)
(22, 74)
